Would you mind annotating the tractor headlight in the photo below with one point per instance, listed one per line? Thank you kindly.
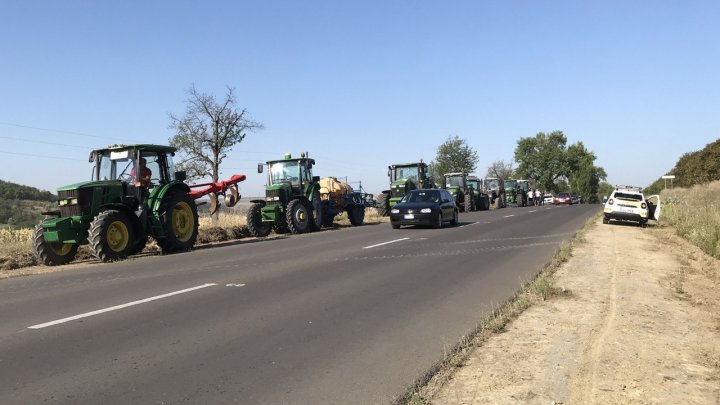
(394, 211)
(69, 201)
(426, 210)
(274, 198)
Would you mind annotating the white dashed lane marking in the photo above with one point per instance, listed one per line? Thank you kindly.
(116, 307)
(385, 243)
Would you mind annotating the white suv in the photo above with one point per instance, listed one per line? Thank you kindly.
(629, 204)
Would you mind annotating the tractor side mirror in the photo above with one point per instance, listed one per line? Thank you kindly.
(260, 167)
(181, 175)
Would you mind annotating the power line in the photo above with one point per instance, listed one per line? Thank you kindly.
(43, 142)
(60, 131)
(42, 156)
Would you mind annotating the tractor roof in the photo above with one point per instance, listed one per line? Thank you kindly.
(143, 147)
(409, 164)
(455, 174)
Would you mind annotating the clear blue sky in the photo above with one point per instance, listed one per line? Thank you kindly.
(360, 84)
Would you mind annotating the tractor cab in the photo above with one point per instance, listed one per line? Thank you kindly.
(137, 165)
(288, 177)
(406, 177)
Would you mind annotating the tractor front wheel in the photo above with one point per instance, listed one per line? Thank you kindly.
(51, 253)
(179, 219)
(111, 236)
(256, 226)
(298, 216)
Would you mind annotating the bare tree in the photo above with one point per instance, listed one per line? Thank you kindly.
(208, 131)
(501, 170)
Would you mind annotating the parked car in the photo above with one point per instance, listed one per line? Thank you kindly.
(563, 198)
(548, 199)
(575, 199)
(629, 204)
(431, 207)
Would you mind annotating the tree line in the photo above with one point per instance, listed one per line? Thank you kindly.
(702, 166)
(545, 159)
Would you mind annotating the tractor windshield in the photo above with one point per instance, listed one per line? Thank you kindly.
(114, 166)
(475, 184)
(492, 184)
(281, 172)
(454, 181)
(410, 173)
(510, 184)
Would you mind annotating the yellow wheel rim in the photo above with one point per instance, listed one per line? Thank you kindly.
(61, 249)
(183, 221)
(117, 236)
(301, 215)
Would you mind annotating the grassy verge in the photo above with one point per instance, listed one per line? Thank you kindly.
(539, 289)
(695, 214)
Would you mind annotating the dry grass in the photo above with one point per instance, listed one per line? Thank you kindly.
(540, 289)
(16, 246)
(695, 214)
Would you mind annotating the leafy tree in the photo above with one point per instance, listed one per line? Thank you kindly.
(542, 158)
(501, 170)
(453, 155)
(208, 131)
(604, 190)
(584, 176)
(13, 191)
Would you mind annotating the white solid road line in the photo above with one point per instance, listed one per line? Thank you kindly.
(508, 216)
(470, 224)
(385, 243)
(533, 211)
(129, 304)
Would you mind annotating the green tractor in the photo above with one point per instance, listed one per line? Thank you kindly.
(457, 185)
(480, 199)
(516, 192)
(135, 193)
(404, 178)
(292, 199)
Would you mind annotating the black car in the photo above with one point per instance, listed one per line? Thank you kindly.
(429, 207)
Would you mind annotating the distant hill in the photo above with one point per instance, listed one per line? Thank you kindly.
(21, 206)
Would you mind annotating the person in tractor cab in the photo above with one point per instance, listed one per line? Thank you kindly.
(145, 174)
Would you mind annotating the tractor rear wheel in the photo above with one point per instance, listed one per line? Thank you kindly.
(317, 212)
(356, 214)
(298, 216)
(467, 207)
(383, 204)
(179, 219)
(256, 226)
(52, 253)
(111, 236)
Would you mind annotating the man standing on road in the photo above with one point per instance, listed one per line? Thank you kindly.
(531, 197)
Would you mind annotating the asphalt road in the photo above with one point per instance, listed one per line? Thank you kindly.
(351, 315)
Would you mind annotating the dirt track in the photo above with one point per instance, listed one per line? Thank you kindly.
(641, 324)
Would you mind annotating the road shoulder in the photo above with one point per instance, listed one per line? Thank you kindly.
(640, 324)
